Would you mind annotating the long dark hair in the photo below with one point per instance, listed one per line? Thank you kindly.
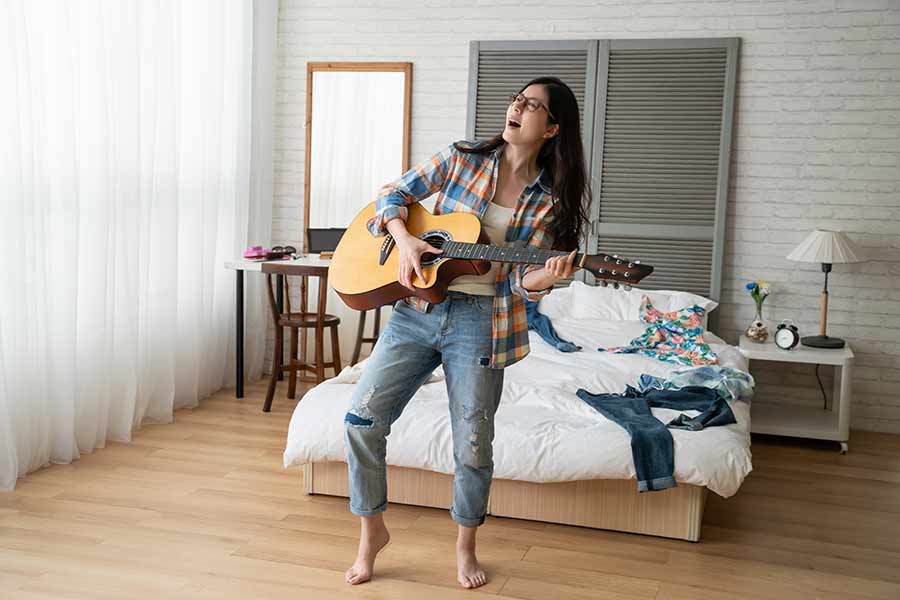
(562, 158)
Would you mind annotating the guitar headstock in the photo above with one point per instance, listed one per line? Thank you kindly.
(616, 269)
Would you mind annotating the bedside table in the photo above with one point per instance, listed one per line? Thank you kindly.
(830, 423)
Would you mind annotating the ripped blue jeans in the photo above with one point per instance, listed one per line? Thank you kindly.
(457, 334)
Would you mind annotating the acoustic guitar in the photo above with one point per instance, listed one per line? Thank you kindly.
(364, 268)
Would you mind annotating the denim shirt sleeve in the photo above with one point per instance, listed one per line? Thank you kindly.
(415, 185)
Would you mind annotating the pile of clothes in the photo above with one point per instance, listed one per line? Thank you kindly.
(704, 386)
(706, 389)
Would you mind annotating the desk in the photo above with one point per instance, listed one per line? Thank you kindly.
(307, 265)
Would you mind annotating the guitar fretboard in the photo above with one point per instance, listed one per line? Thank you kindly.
(528, 254)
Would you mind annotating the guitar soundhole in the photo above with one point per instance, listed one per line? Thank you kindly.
(436, 238)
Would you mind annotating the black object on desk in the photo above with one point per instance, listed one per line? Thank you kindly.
(323, 240)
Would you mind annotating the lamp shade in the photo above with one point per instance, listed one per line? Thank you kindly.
(823, 246)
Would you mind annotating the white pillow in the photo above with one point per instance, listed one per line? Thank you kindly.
(598, 302)
(676, 300)
(603, 303)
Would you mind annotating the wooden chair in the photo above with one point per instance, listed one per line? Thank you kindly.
(361, 337)
(299, 323)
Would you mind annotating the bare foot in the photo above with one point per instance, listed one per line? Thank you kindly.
(370, 544)
(469, 572)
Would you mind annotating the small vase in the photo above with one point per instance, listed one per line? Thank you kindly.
(757, 331)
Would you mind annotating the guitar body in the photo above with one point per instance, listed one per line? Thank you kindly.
(364, 268)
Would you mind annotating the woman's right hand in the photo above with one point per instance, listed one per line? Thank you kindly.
(411, 250)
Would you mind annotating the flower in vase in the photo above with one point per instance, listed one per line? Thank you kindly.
(759, 290)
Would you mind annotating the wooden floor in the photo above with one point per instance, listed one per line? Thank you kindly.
(203, 509)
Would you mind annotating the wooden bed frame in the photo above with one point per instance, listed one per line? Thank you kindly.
(600, 503)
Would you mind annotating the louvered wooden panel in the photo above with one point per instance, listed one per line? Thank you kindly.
(677, 264)
(502, 72)
(661, 135)
(661, 156)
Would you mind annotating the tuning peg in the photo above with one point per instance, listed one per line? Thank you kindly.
(637, 262)
(626, 287)
(615, 284)
(604, 283)
(630, 264)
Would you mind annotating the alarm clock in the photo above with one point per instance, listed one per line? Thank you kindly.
(786, 335)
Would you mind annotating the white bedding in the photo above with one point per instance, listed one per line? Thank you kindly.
(543, 431)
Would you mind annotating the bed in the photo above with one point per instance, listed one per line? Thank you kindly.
(556, 459)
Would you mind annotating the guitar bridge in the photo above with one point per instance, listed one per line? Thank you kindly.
(386, 246)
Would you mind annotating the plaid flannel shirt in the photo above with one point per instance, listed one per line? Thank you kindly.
(466, 183)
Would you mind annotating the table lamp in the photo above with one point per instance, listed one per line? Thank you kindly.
(826, 247)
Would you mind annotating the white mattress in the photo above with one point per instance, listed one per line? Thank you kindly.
(543, 431)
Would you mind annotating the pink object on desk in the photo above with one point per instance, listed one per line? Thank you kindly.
(255, 252)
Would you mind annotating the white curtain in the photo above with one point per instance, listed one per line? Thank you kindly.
(125, 152)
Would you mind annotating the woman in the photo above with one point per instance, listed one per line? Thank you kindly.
(527, 185)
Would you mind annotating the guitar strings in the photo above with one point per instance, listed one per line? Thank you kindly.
(532, 252)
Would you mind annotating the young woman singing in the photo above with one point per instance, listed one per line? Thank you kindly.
(527, 184)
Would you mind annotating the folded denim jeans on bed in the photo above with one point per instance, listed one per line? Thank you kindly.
(652, 448)
(732, 383)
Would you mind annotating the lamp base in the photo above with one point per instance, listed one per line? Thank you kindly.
(822, 341)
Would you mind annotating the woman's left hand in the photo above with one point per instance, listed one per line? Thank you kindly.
(560, 267)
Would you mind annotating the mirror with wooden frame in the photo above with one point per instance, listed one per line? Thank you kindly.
(357, 139)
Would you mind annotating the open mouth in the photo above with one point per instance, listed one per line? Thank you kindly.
(513, 124)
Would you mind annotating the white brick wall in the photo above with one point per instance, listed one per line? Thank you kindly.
(816, 140)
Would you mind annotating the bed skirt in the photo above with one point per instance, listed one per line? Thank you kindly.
(613, 504)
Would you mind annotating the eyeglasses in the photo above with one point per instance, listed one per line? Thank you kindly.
(532, 104)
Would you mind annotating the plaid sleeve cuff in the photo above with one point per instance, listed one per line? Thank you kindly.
(376, 224)
(517, 275)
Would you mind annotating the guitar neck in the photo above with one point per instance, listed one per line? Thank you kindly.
(528, 254)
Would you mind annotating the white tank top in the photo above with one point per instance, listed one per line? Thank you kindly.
(494, 222)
